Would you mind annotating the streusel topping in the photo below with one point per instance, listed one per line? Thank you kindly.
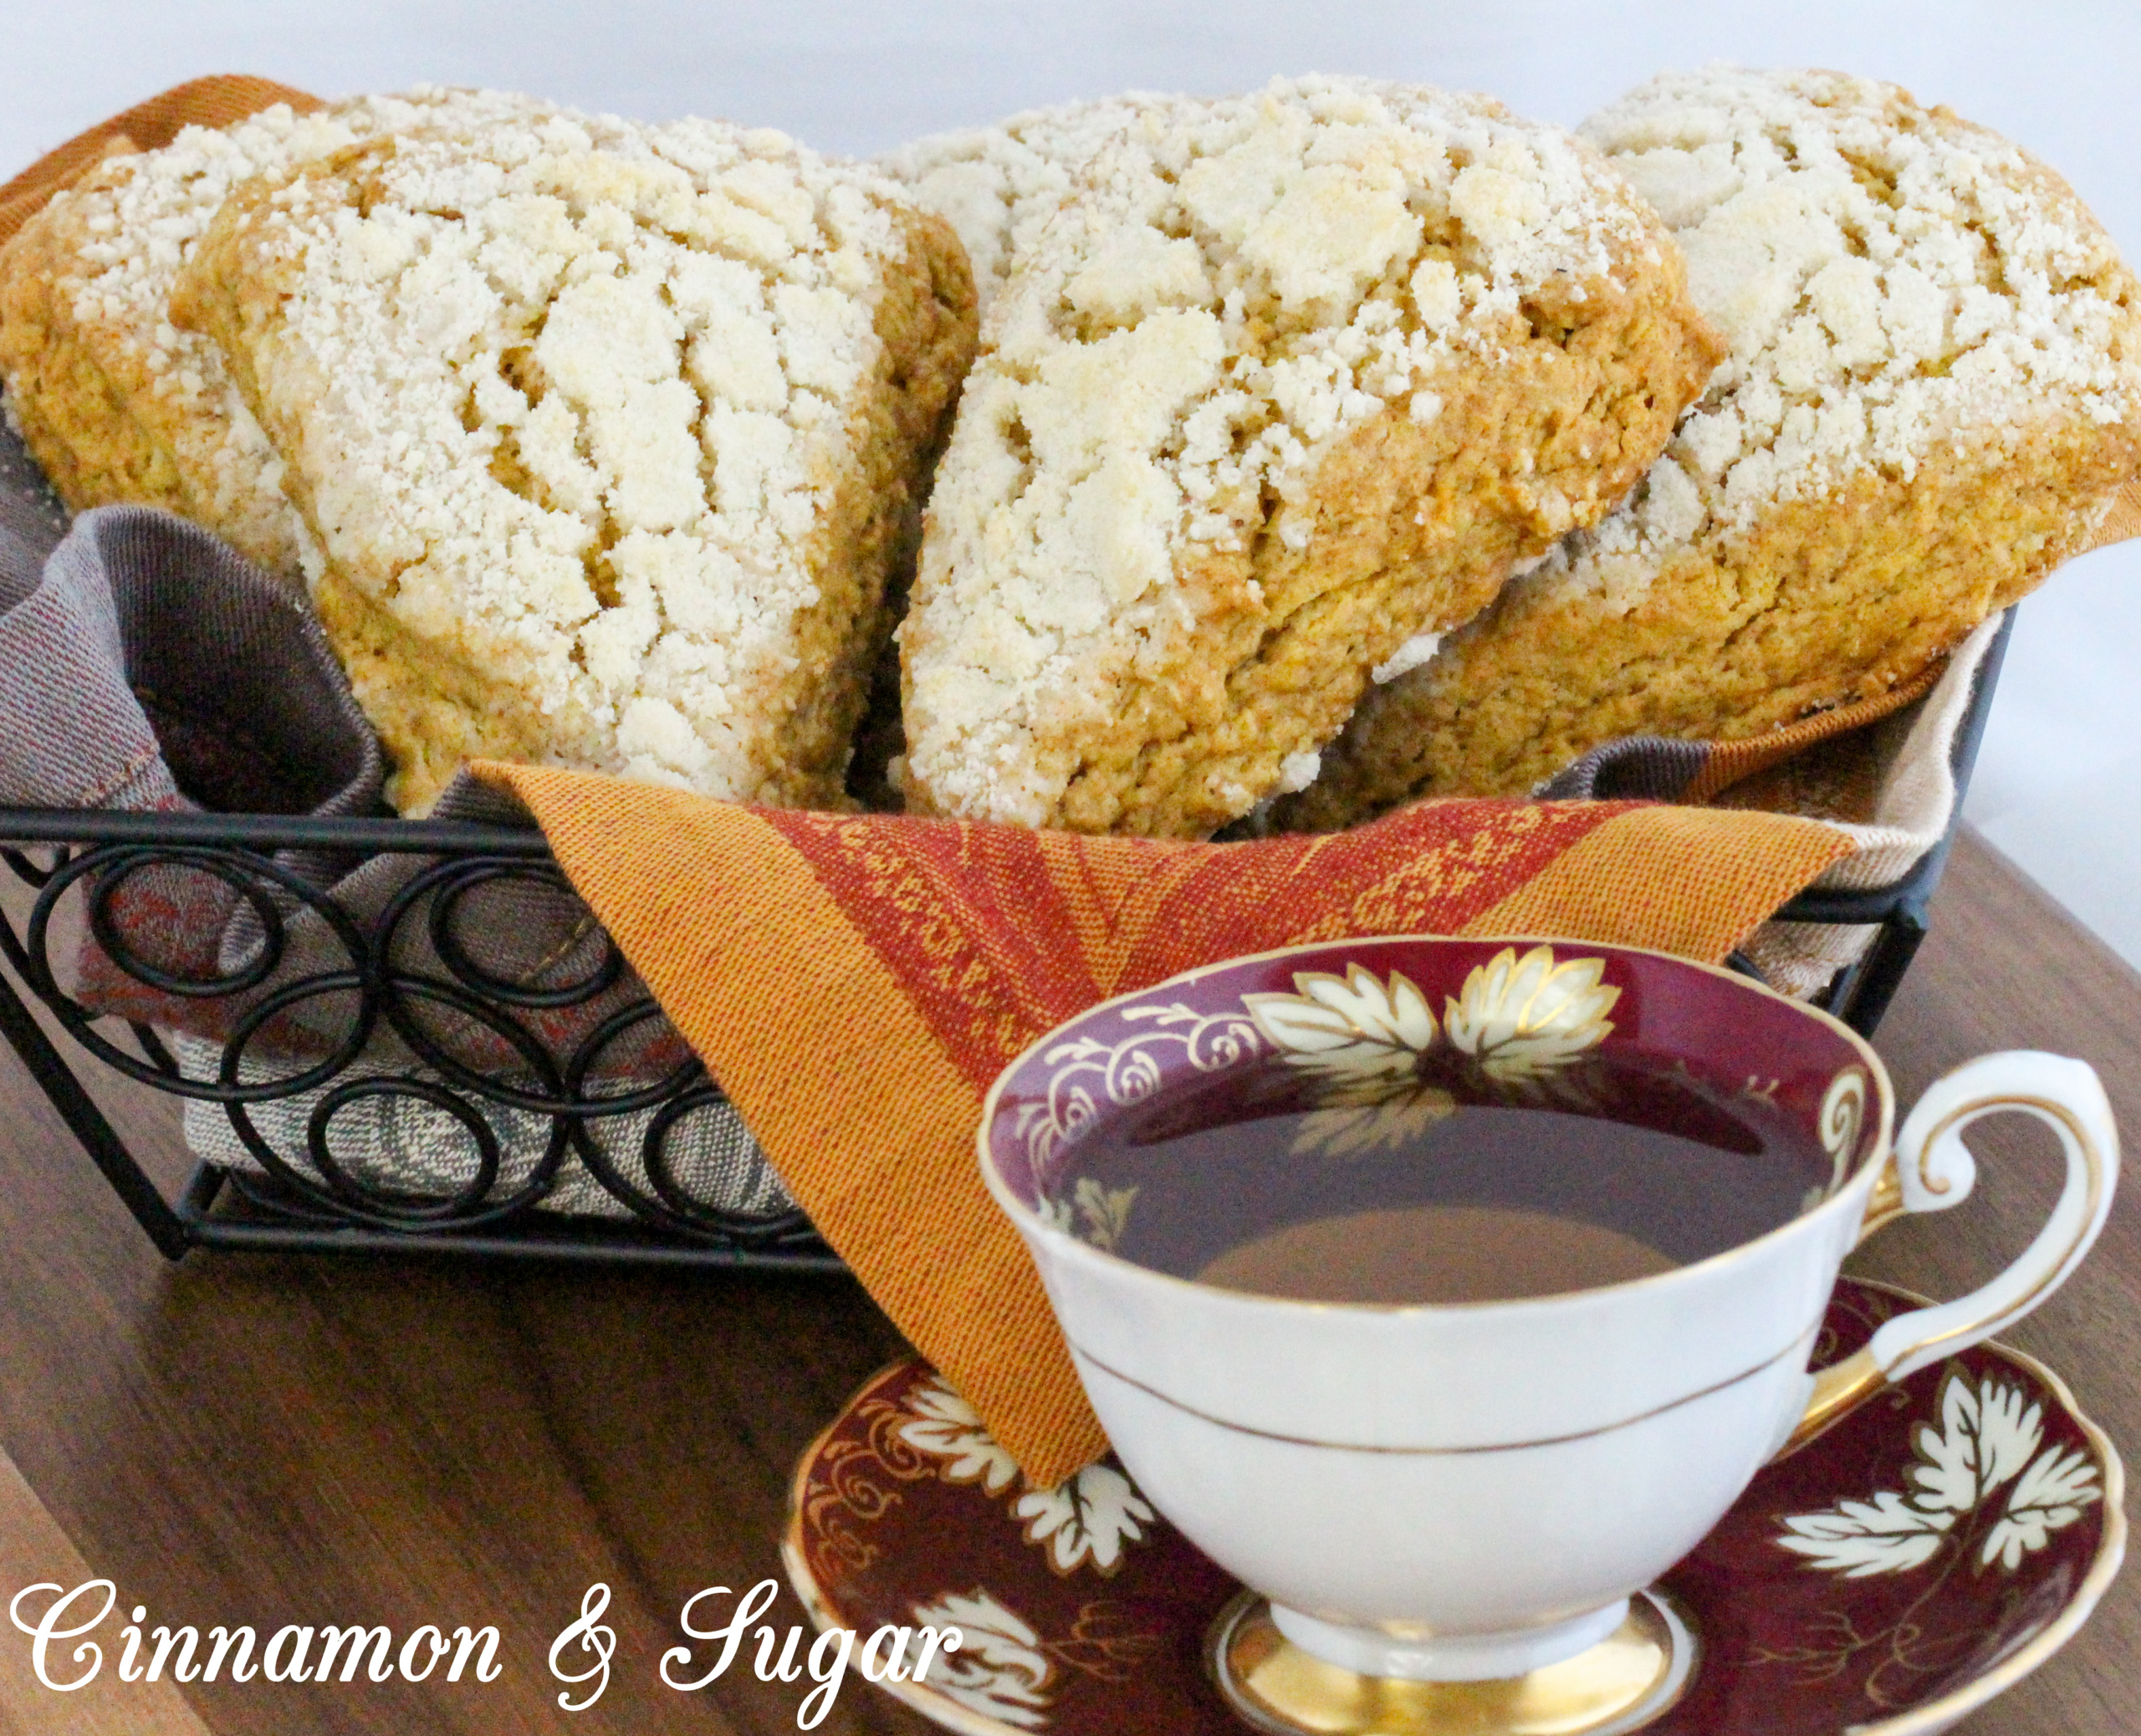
(997, 186)
(144, 213)
(1229, 290)
(585, 386)
(1887, 275)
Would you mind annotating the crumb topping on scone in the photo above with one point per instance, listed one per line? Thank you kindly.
(575, 398)
(133, 222)
(1234, 290)
(1933, 396)
(997, 186)
(1888, 276)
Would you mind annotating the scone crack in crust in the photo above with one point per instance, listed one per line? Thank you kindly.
(1933, 391)
(118, 403)
(997, 186)
(1289, 380)
(605, 432)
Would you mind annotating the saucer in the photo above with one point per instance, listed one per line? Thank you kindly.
(1921, 1557)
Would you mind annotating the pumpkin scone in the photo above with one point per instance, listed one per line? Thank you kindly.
(997, 186)
(1284, 389)
(117, 404)
(1933, 395)
(604, 434)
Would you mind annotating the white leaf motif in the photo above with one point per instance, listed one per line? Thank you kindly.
(1987, 1434)
(1359, 1075)
(1106, 1210)
(1299, 1026)
(2011, 1428)
(1395, 1012)
(1393, 1121)
(946, 1426)
(1518, 1017)
(2049, 1498)
(1360, 1039)
(1091, 1515)
(1330, 1013)
(1000, 1670)
(1860, 1538)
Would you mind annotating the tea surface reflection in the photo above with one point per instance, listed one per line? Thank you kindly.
(1434, 1183)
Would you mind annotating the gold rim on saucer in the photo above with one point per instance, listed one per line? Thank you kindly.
(1628, 1679)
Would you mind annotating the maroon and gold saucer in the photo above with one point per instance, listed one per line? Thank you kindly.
(1922, 1556)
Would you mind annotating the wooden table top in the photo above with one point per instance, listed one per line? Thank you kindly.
(269, 1441)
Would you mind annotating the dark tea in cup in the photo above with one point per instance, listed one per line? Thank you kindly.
(1431, 1180)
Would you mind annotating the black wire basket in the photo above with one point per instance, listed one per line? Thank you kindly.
(647, 1212)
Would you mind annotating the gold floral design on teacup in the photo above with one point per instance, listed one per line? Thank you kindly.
(1362, 1040)
(1519, 1018)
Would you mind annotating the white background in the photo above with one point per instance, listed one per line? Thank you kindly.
(2059, 786)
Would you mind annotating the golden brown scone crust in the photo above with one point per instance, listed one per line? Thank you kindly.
(1229, 448)
(1893, 452)
(116, 404)
(626, 517)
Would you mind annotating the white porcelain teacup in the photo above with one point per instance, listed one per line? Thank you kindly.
(1460, 1493)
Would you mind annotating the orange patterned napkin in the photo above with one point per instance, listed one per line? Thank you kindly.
(856, 982)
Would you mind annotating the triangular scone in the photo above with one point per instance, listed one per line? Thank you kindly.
(998, 186)
(118, 405)
(1933, 395)
(605, 435)
(1291, 381)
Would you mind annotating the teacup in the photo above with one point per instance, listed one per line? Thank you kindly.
(1465, 1493)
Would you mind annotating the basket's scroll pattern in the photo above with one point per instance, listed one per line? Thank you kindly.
(406, 1068)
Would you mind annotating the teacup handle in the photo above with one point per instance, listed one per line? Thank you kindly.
(1933, 1170)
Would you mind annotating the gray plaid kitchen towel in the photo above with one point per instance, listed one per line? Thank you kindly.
(145, 665)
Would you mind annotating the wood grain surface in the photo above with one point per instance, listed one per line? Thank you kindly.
(270, 1441)
(34, 1551)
